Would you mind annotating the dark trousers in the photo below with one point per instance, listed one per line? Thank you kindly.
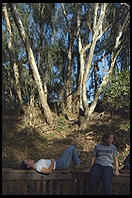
(103, 172)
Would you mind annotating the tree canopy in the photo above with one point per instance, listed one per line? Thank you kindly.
(75, 48)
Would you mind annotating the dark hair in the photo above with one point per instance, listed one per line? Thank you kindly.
(23, 165)
(106, 136)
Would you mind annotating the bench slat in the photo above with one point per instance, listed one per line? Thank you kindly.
(30, 182)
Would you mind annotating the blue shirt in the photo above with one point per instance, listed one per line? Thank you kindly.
(105, 154)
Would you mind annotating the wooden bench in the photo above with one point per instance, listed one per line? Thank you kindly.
(29, 182)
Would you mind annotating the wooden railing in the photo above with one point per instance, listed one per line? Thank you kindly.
(29, 182)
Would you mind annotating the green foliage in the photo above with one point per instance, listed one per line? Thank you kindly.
(61, 124)
(118, 89)
(125, 126)
(48, 33)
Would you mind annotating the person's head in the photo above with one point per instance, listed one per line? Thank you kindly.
(27, 164)
(107, 138)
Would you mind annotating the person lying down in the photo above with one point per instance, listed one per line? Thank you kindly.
(48, 165)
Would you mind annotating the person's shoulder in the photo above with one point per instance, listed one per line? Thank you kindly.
(113, 146)
(98, 145)
(39, 161)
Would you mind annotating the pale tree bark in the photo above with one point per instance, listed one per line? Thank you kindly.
(86, 62)
(41, 9)
(85, 65)
(81, 59)
(11, 52)
(47, 112)
(115, 52)
(68, 77)
(69, 66)
(97, 33)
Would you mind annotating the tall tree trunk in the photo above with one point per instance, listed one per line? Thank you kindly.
(115, 52)
(12, 56)
(41, 8)
(81, 59)
(97, 32)
(85, 64)
(69, 67)
(47, 112)
(68, 75)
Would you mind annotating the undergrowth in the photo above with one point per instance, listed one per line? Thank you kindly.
(29, 136)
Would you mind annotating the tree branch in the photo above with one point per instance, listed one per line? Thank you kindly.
(64, 12)
(95, 16)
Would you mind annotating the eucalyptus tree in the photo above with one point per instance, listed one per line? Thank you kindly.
(17, 57)
(11, 53)
(36, 75)
(49, 49)
(65, 44)
(70, 19)
(97, 25)
(40, 39)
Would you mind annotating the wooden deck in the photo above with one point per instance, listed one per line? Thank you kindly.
(29, 182)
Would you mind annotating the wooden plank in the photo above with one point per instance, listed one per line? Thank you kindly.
(58, 182)
(56, 171)
(25, 187)
(44, 187)
(31, 171)
(17, 187)
(124, 189)
(47, 187)
(66, 184)
(120, 179)
(59, 188)
(34, 176)
(54, 187)
(32, 187)
(38, 187)
(12, 188)
(22, 185)
(115, 189)
(4, 188)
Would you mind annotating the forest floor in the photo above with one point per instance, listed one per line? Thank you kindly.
(28, 136)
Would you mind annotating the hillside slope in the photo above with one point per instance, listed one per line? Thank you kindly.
(28, 136)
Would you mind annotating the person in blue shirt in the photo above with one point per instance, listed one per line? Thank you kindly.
(102, 164)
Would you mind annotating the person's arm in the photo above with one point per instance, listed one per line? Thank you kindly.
(92, 163)
(49, 170)
(116, 172)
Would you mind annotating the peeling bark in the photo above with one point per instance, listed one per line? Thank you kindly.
(43, 101)
(85, 65)
(11, 53)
